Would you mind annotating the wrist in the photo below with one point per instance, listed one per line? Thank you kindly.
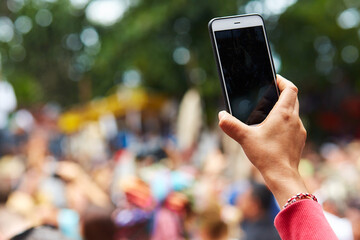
(284, 183)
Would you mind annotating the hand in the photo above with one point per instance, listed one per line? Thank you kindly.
(69, 171)
(274, 147)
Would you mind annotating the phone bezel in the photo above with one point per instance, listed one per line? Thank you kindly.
(236, 22)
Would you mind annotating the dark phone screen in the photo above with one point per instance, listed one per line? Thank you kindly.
(247, 72)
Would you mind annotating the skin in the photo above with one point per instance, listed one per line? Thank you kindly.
(274, 147)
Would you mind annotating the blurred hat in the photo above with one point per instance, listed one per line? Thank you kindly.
(176, 201)
(137, 192)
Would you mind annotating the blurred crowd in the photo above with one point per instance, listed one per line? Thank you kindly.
(153, 176)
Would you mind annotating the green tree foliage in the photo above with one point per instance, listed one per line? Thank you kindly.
(319, 43)
(148, 35)
(316, 53)
(41, 74)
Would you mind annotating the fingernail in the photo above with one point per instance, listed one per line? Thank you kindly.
(221, 114)
(278, 75)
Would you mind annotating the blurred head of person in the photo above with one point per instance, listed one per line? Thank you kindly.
(255, 202)
(98, 225)
(255, 205)
(177, 202)
(212, 227)
(214, 230)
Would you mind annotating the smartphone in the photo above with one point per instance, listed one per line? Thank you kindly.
(245, 66)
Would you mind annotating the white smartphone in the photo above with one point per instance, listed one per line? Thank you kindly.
(245, 66)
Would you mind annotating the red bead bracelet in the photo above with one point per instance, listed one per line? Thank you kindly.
(300, 196)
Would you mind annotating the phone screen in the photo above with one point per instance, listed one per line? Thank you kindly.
(247, 72)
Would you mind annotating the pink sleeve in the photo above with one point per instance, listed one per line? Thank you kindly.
(303, 220)
(166, 226)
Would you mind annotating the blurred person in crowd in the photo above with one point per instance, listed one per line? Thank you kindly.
(274, 147)
(134, 209)
(255, 205)
(98, 225)
(21, 125)
(11, 223)
(167, 225)
(341, 226)
(214, 230)
(353, 214)
(169, 219)
(7, 105)
(212, 227)
(332, 179)
(7, 101)
(41, 233)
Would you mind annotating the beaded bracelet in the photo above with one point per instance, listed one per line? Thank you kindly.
(300, 196)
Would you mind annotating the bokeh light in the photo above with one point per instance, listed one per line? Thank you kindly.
(15, 5)
(198, 75)
(23, 24)
(43, 17)
(277, 61)
(268, 7)
(17, 53)
(73, 42)
(79, 4)
(89, 36)
(181, 55)
(350, 54)
(132, 78)
(182, 25)
(106, 12)
(349, 18)
(6, 29)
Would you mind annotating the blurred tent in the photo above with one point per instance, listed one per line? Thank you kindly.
(118, 104)
(189, 120)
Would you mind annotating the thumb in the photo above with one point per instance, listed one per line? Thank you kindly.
(234, 128)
